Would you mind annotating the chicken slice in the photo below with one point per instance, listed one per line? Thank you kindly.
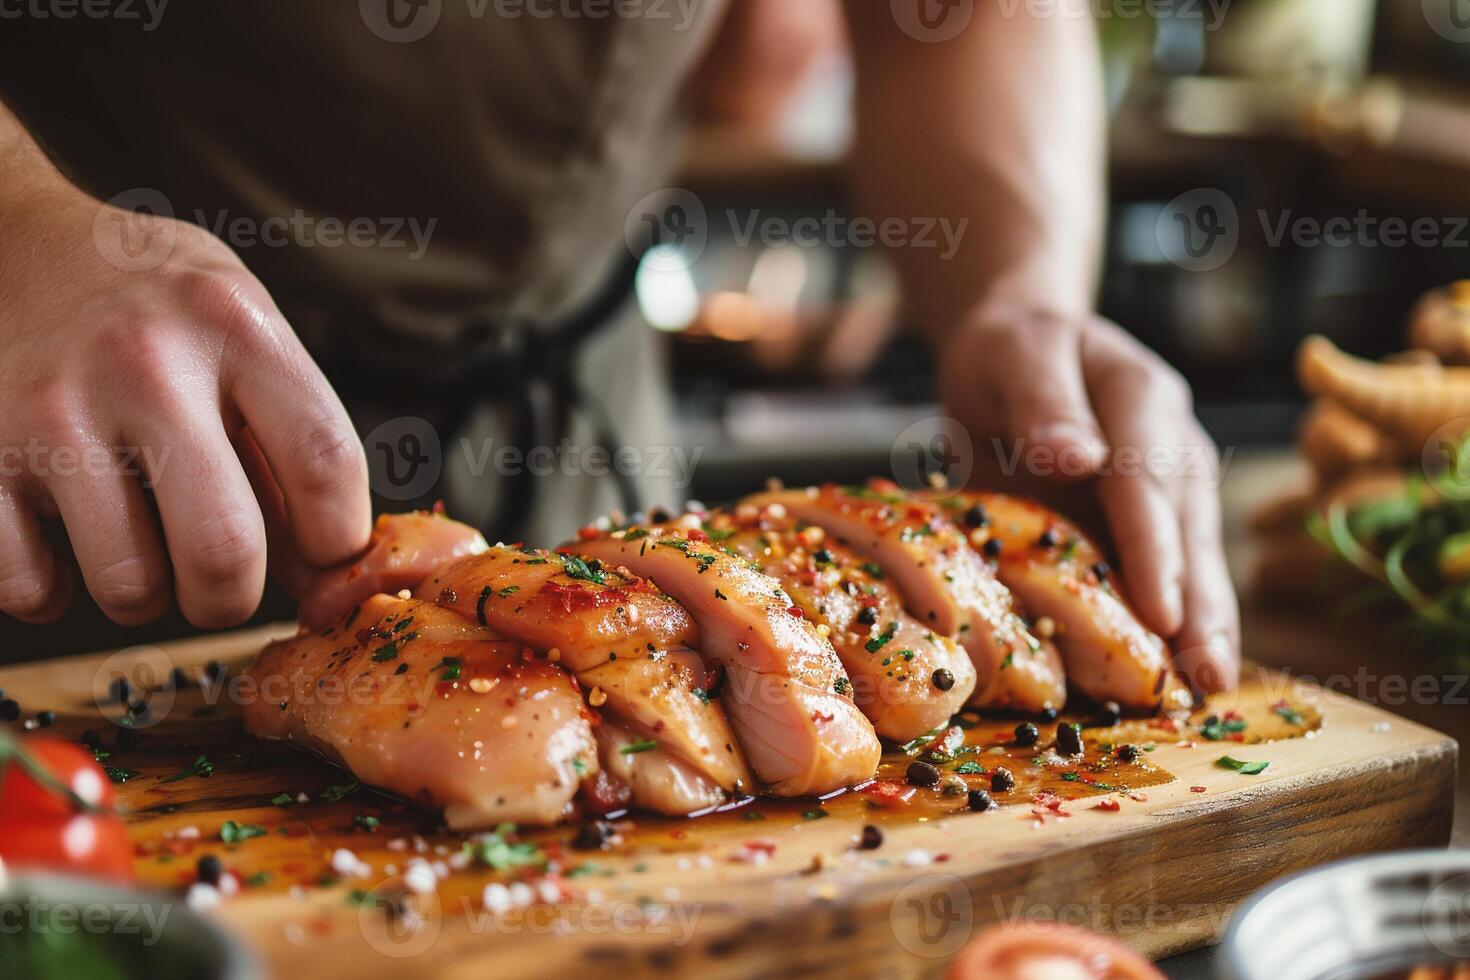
(656, 778)
(944, 582)
(906, 677)
(784, 688)
(627, 642)
(1057, 572)
(419, 701)
(404, 548)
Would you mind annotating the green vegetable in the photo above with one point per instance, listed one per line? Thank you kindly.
(1244, 768)
(200, 767)
(234, 833)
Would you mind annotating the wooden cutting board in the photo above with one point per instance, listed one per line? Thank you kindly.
(768, 890)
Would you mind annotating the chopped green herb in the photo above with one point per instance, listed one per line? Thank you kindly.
(336, 794)
(842, 685)
(508, 591)
(879, 642)
(643, 745)
(873, 569)
(200, 767)
(282, 799)
(234, 833)
(452, 668)
(970, 768)
(579, 568)
(1291, 715)
(814, 814)
(367, 823)
(119, 774)
(499, 850)
(1244, 768)
(402, 624)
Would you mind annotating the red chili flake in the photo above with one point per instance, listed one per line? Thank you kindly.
(1196, 789)
(889, 792)
(588, 533)
(1231, 715)
(438, 508)
(1168, 724)
(695, 534)
(795, 611)
(1110, 805)
(678, 834)
(941, 858)
(820, 718)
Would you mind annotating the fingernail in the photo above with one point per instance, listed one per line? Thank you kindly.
(1082, 442)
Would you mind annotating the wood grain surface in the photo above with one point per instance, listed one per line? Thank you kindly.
(727, 896)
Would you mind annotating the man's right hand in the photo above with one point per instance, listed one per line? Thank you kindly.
(137, 351)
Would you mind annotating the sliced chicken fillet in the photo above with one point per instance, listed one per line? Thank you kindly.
(403, 549)
(906, 677)
(626, 641)
(944, 582)
(657, 779)
(1057, 572)
(784, 688)
(416, 700)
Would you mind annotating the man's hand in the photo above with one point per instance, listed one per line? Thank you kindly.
(1077, 401)
(121, 372)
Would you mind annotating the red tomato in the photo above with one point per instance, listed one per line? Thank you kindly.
(96, 846)
(23, 799)
(1027, 950)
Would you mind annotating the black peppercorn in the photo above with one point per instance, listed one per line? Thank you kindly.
(139, 707)
(9, 709)
(943, 679)
(1002, 781)
(595, 835)
(119, 689)
(868, 615)
(209, 870)
(1049, 714)
(45, 719)
(992, 548)
(823, 557)
(923, 774)
(1102, 570)
(1047, 540)
(976, 516)
(1027, 734)
(1110, 715)
(980, 800)
(1069, 739)
(1128, 753)
(871, 840)
(657, 515)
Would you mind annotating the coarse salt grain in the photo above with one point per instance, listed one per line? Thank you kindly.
(202, 897)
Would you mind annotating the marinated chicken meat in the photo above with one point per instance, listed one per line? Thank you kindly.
(906, 677)
(680, 665)
(1056, 572)
(785, 690)
(944, 582)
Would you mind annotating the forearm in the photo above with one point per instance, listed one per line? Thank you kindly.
(29, 182)
(1001, 127)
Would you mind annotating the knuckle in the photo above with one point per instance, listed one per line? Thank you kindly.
(223, 298)
(225, 549)
(53, 407)
(327, 458)
(24, 591)
(130, 584)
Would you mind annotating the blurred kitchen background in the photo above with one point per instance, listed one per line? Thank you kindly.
(1299, 109)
